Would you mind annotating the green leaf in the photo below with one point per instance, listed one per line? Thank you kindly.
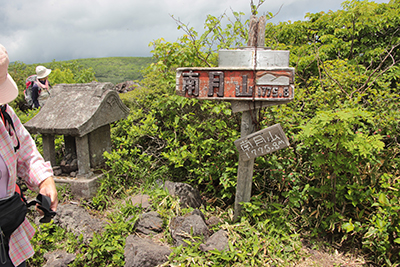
(348, 226)
(383, 199)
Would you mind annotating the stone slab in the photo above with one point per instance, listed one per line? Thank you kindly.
(84, 187)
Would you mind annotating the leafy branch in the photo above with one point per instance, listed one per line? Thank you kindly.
(390, 55)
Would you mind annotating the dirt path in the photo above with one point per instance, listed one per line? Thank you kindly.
(324, 258)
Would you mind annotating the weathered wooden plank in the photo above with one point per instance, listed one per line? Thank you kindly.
(245, 167)
(239, 106)
(257, 31)
(262, 142)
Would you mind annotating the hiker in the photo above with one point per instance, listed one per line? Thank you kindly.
(19, 157)
(40, 89)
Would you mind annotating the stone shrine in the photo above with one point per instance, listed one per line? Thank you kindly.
(82, 113)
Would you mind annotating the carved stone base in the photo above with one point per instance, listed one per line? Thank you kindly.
(81, 186)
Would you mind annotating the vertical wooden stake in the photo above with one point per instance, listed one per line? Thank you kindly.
(245, 168)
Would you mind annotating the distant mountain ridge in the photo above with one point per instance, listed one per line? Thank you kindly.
(116, 69)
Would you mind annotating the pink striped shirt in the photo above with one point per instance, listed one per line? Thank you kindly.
(28, 164)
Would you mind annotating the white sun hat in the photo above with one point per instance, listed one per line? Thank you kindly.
(8, 88)
(42, 72)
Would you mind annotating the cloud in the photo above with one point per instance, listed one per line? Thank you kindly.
(41, 31)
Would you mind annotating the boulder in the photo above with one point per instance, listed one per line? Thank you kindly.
(149, 223)
(126, 86)
(142, 201)
(142, 252)
(188, 196)
(186, 227)
(58, 258)
(78, 221)
(218, 241)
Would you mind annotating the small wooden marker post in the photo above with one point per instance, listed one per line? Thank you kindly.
(250, 78)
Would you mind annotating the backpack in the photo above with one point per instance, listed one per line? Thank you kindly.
(30, 81)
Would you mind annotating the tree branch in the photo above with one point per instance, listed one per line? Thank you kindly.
(363, 88)
(330, 77)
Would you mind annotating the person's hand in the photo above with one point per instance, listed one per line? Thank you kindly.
(48, 188)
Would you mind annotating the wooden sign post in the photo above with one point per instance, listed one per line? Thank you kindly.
(249, 78)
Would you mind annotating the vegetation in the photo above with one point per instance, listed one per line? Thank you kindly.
(110, 69)
(339, 180)
(116, 69)
(62, 72)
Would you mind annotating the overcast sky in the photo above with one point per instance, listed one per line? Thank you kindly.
(39, 31)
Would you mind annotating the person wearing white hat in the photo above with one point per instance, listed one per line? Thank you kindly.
(19, 157)
(40, 89)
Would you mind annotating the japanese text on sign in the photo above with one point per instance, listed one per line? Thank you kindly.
(236, 84)
(262, 142)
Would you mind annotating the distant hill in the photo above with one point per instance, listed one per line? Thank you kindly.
(116, 69)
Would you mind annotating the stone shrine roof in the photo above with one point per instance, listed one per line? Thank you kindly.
(78, 109)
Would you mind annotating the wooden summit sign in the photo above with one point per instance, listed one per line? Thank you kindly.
(250, 78)
(273, 84)
(262, 142)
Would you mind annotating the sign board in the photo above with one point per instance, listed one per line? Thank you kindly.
(262, 142)
(253, 57)
(274, 85)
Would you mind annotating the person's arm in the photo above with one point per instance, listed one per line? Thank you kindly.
(31, 167)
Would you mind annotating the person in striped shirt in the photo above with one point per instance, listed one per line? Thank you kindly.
(19, 157)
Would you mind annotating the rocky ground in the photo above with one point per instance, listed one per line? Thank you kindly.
(146, 246)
